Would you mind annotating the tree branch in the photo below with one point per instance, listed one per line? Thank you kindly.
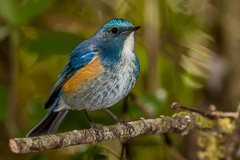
(150, 126)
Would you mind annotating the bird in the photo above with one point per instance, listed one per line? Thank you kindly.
(100, 72)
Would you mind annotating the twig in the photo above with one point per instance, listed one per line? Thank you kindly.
(226, 114)
(176, 106)
(210, 115)
(118, 131)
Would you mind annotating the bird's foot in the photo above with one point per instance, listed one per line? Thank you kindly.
(97, 131)
(128, 126)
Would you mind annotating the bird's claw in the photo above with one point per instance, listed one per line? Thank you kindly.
(128, 126)
(97, 130)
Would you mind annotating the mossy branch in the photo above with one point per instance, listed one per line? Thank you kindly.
(149, 126)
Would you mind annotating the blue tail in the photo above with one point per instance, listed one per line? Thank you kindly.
(50, 123)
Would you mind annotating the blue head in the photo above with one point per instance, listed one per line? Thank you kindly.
(114, 36)
(115, 31)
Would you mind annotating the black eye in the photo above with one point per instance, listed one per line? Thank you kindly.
(114, 30)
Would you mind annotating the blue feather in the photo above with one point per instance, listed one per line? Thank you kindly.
(82, 55)
(54, 104)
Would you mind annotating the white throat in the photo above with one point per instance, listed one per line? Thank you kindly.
(128, 47)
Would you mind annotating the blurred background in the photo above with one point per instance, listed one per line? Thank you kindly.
(188, 52)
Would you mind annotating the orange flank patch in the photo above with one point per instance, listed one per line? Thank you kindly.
(84, 74)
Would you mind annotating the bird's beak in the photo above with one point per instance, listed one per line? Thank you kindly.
(135, 28)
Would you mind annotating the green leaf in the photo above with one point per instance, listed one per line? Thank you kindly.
(54, 43)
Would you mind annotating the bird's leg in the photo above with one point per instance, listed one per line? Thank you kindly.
(129, 127)
(95, 128)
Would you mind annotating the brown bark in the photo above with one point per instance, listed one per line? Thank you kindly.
(88, 136)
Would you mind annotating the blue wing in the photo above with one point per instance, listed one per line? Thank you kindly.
(82, 55)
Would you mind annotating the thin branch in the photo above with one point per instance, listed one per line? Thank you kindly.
(210, 115)
(177, 106)
(87, 136)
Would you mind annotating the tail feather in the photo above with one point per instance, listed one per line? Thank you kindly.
(49, 124)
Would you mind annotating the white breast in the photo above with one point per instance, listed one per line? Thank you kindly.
(126, 67)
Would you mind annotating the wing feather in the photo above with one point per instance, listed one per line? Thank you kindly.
(82, 55)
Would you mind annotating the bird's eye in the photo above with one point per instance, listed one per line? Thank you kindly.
(114, 30)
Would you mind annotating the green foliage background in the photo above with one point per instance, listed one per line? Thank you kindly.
(187, 53)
